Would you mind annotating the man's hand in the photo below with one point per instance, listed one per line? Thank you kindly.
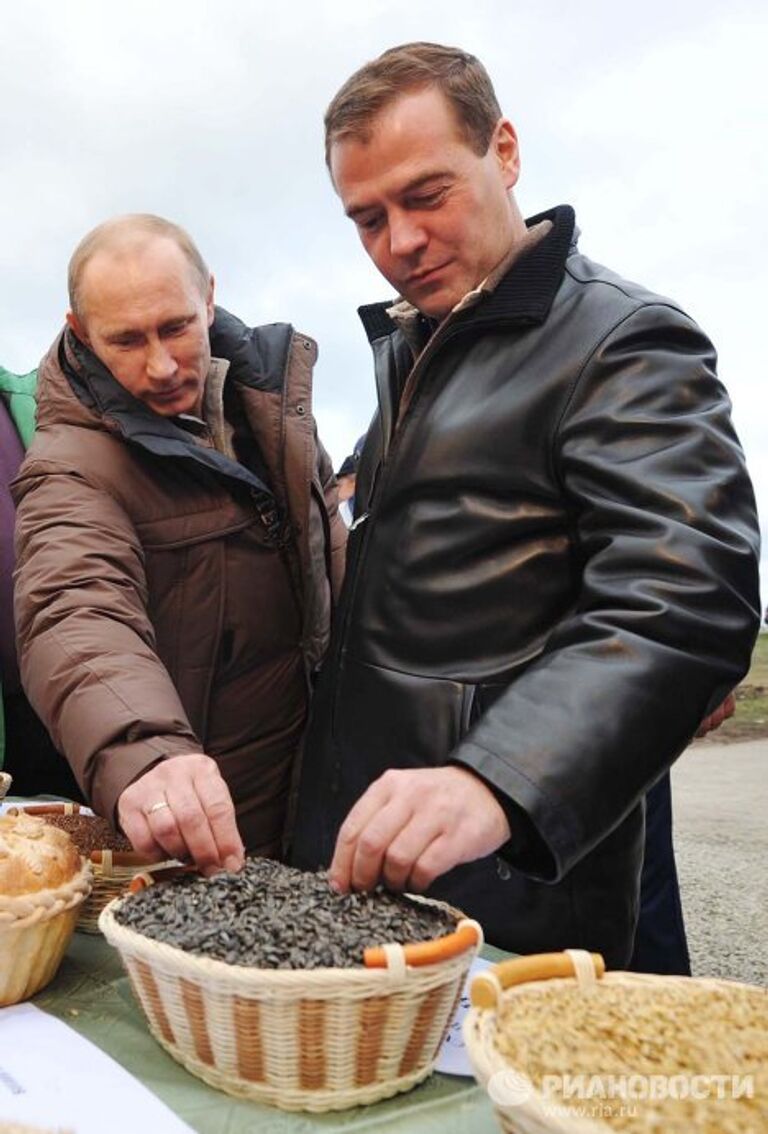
(182, 809)
(721, 713)
(413, 825)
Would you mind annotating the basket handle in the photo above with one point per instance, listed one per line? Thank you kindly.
(488, 986)
(119, 858)
(468, 935)
(64, 808)
(148, 877)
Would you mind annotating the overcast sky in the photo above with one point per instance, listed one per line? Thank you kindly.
(650, 119)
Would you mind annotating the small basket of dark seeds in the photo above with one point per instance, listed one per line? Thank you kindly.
(269, 985)
(113, 859)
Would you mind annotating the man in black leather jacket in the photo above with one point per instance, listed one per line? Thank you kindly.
(552, 575)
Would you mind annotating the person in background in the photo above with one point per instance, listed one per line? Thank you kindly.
(25, 747)
(345, 482)
(661, 943)
(552, 578)
(178, 548)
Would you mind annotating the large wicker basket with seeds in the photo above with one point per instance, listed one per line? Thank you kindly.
(563, 1047)
(315, 1039)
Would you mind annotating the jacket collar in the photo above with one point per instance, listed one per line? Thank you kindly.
(94, 386)
(524, 296)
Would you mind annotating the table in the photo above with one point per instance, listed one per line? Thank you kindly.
(92, 994)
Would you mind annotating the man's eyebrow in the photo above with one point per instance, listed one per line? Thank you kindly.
(115, 336)
(410, 187)
(176, 320)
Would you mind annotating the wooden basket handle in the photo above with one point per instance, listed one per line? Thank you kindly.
(488, 986)
(149, 877)
(64, 808)
(120, 858)
(468, 935)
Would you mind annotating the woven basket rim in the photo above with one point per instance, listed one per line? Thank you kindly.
(254, 978)
(41, 905)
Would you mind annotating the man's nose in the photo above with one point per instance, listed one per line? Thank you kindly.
(160, 362)
(406, 235)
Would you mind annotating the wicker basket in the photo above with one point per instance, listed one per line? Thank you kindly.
(523, 1109)
(314, 1039)
(35, 930)
(112, 869)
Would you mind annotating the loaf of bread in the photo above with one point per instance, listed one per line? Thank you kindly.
(34, 856)
(43, 881)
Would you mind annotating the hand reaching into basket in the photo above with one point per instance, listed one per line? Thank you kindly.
(182, 809)
(414, 824)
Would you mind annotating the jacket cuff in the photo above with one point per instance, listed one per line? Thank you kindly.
(117, 767)
(548, 832)
(524, 850)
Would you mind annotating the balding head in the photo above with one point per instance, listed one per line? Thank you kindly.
(122, 236)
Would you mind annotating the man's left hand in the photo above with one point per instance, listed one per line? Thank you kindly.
(412, 825)
(721, 713)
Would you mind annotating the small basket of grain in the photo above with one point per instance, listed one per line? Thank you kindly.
(111, 855)
(268, 985)
(562, 1047)
(43, 883)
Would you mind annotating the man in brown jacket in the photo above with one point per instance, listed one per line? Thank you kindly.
(178, 548)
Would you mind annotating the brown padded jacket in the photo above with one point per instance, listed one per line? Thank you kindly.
(169, 599)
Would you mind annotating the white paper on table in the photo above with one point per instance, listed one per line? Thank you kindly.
(453, 1059)
(51, 1076)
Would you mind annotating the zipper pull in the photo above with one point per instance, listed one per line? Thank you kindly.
(360, 520)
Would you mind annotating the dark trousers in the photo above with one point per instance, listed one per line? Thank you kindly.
(660, 941)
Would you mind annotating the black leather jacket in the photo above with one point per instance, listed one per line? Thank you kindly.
(553, 579)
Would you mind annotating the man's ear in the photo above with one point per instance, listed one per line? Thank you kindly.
(77, 327)
(506, 151)
(209, 301)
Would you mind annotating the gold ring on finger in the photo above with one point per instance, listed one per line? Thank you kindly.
(161, 803)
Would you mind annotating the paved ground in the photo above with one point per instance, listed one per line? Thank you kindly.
(720, 796)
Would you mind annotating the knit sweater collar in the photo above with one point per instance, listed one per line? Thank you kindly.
(524, 294)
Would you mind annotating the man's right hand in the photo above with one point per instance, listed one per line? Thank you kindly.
(182, 809)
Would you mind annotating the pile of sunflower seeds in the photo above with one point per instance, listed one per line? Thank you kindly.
(272, 916)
